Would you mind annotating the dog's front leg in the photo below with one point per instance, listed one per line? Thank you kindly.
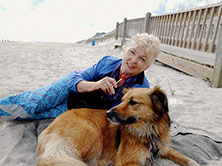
(179, 158)
(132, 155)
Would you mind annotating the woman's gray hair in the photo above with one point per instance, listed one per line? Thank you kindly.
(150, 42)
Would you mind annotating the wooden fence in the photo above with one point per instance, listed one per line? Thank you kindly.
(191, 40)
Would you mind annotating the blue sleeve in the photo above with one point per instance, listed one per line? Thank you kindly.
(104, 66)
(145, 84)
(86, 74)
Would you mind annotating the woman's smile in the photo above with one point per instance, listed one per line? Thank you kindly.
(130, 66)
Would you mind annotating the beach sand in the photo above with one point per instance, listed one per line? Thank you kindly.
(26, 66)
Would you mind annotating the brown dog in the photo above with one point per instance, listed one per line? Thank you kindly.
(139, 129)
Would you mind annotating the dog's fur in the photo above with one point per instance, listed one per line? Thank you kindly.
(139, 129)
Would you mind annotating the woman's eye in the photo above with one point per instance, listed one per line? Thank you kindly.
(143, 59)
(132, 52)
(131, 102)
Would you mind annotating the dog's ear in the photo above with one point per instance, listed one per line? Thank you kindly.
(159, 101)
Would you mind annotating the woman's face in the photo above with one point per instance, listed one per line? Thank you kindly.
(134, 61)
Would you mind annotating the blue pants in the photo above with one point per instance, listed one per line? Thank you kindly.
(46, 102)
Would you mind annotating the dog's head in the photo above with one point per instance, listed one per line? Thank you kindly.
(140, 105)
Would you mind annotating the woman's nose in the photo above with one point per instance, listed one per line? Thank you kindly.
(135, 59)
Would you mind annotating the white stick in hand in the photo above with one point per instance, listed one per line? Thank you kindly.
(123, 77)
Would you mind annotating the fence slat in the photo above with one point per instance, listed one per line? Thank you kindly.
(175, 29)
(187, 30)
(192, 29)
(197, 30)
(202, 29)
(182, 33)
(179, 28)
(157, 26)
(160, 26)
(165, 29)
(154, 26)
(171, 29)
(151, 26)
(216, 29)
(209, 28)
(160, 30)
(168, 29)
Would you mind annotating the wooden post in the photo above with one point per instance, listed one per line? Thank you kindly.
(124, 32)
(216, 29)
(217, 75)
(147, 22)
(117, 29)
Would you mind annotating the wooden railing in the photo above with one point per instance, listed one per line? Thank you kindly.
(194, 29)
(197, 29)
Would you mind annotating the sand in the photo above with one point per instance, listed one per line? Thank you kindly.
(27, 66)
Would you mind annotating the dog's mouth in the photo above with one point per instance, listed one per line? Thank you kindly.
(114, 118)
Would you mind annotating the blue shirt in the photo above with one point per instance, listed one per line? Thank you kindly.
(106, 65)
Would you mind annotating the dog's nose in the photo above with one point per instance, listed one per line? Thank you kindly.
(110, 113)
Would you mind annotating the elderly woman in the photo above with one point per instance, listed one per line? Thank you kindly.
(139, 54)
(95, 87)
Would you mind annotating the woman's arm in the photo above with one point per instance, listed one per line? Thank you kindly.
(107, 84)
(82, 80)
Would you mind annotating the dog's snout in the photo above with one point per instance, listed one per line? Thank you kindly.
(118, 119)
(110, 113)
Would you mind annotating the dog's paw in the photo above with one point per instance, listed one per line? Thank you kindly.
(193, 163)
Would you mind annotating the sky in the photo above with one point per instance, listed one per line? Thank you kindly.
(75, 20)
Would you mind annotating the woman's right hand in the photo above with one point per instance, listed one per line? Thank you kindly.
(107, 84)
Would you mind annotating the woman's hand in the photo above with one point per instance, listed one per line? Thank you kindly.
(107, 84)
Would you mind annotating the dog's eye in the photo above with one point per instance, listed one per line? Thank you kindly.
(131, 102)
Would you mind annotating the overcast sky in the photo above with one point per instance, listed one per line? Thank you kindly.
(74, 20)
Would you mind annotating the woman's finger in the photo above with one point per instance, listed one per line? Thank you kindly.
(113, 82)
(107, 84)
(110, 88)
(103, 88)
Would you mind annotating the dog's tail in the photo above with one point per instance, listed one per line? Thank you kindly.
(61, 161)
